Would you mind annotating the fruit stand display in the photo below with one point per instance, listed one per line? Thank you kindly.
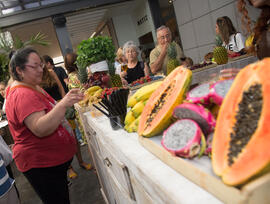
(178, 125)
(203, 74)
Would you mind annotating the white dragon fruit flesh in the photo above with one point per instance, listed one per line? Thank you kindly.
(219, 90)
(199, 94)
(183, 138)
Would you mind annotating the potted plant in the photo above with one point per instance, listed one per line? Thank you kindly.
(97, 53)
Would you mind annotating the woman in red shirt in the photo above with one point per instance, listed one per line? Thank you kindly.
(44, 143)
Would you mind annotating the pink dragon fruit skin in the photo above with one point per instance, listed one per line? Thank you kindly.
(198, 113)
(219, 90)
(208, 149)
(199, 94)
(183, 138)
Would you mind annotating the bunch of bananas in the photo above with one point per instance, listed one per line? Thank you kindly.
(91, 95)
(137, 102)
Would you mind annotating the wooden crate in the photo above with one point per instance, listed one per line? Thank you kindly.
(200, 172)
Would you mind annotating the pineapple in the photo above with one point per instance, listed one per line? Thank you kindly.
(172, 61)
(82, 73)
(115, 78)
(220, 53)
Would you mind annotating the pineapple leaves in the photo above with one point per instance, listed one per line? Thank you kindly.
(218, 41)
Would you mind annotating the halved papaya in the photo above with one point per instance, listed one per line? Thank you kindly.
(241, 142)
(157, 113)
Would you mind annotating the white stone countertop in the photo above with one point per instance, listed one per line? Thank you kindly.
(148, 168)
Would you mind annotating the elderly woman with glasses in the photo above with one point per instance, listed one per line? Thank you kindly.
(44, 143)
(135, 69)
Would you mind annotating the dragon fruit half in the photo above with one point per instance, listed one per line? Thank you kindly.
(198, 113)
(219, 90)
(199, 94)
(183, 138)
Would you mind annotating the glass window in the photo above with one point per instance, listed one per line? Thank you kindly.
(46, 2)
(31, 5)
(11, 10)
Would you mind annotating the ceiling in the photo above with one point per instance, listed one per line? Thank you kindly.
(82, 24)
(13, 6)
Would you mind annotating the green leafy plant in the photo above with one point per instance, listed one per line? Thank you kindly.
(95, 49)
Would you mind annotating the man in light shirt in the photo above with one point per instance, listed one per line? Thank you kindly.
(159, 56)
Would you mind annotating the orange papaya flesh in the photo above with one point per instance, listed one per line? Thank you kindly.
(157, 113)
(237, 161)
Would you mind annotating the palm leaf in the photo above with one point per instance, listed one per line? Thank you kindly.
(38, 39)
(17, 43)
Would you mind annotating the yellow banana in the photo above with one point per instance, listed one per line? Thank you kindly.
(138, 108)
(133, 127)
(131, 101)
(137, 121)
(129, 118)
(128, 128)
(92, 89)
(147, 91)
(98, 93)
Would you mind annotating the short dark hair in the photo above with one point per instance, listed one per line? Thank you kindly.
(19, 59)
(47, 59)
(69, 62)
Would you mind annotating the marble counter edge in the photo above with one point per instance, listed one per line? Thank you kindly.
(144, 162)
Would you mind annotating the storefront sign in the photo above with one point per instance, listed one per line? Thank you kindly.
(142, 20)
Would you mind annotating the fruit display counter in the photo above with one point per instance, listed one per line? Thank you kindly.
(128, 173)
(184, 130)
(205, 73)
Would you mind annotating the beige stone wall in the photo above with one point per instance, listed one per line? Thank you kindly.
(45, 26)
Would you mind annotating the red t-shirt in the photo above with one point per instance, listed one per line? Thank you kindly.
(30, 151)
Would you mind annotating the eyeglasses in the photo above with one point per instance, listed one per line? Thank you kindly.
(131, 51)
(41, 65)
(163, 37)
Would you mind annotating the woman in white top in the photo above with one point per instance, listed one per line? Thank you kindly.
(232, 40)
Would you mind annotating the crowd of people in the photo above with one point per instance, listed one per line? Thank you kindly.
(39, 95)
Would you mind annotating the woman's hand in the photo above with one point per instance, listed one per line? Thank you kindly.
(124, 82)
(123, 74)
(43, 124)
(72, 97)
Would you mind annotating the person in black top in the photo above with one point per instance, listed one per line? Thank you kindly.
(136, 69)
(52, 85)
(60, 72)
